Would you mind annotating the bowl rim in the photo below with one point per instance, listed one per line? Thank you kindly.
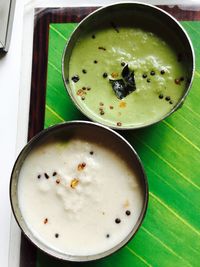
(50, 251)
(179, 103)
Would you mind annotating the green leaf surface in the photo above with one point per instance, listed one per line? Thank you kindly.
(170, 151)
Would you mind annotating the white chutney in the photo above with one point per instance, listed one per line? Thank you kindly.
(79, 197)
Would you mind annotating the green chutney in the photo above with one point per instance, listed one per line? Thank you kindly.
(99, 57)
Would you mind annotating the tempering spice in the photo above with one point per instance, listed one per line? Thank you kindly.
(122, 104)
(75, 78)
(162, 72)
(128, 213)
(102, 48)
(81, 166)
(105, 75)
(126, 203)
(45, 221)
(58, 181)
(117, 220)
(80, 92)
(46, 175)
(74, 183)
(114, 74)
(177, 81)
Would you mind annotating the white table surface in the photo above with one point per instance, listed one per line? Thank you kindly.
(13, 129)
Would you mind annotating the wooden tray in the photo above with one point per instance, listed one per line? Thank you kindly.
(170, 151)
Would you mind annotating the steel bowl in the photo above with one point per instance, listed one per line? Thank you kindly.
(69, 129)
(152, 15)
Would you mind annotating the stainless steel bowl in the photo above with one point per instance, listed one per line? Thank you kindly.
(140, 12)
(69, 129)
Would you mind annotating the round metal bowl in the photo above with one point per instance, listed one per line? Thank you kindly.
(139, 12)
(71, 129)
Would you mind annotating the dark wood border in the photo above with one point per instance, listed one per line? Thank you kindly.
(43, 17)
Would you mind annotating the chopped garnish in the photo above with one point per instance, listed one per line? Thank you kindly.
(129, 78)
(125, 86)
(119, 88)
(125, 71)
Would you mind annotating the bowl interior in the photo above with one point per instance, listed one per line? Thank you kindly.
(84, 130)
(150, 19)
